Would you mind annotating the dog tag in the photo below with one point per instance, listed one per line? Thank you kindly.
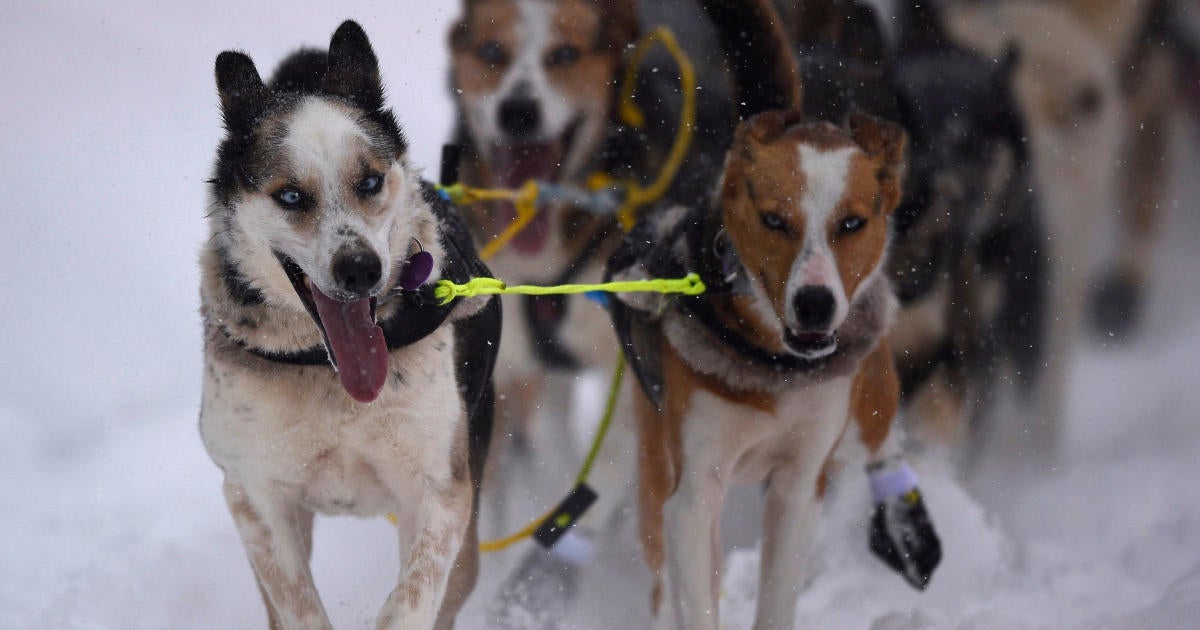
(416, 271)
(564, 516)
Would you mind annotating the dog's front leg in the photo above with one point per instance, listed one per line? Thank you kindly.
(691, 539)
(431, 535)
(277, 534)
(789, 524)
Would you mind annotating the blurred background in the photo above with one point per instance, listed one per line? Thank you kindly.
(114, 516)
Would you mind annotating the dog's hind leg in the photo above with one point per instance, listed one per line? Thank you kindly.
(277, 534)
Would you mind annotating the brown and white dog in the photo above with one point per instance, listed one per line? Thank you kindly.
(759, 387)
(535, 82)
(333, 381)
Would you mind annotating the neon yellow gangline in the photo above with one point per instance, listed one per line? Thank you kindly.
(447, 290)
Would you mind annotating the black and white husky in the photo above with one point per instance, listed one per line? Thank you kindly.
(334, 382)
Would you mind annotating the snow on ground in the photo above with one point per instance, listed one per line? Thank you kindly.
(114, 515)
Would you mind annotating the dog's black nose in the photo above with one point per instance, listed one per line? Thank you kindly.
(357, 272)
(520, 116)
(814, 307)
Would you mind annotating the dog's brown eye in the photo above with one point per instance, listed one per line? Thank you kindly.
(370, 185)
(852, 224)
(292, 199)
(492, 53)
(563, 56)
(774, 222)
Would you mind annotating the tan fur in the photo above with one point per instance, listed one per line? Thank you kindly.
(875, 397)
(764, 174)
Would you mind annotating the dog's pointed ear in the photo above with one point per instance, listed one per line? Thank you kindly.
(885, 142)
(353, 71)
(767, 126)
(243, 94)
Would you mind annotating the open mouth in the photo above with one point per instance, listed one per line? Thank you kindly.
(811, 345)
(515, 163)
(355, 343)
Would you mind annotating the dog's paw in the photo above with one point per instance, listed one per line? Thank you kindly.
(902, 535)
(537, 594)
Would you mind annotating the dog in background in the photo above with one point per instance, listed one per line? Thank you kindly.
(535, 84)
(1150, 45)
(334, 382)
(1067, 91)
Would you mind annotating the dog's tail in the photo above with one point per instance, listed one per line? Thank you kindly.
(302, 71)
(764, 71)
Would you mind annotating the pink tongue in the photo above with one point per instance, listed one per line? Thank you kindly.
(532, 237)
(517, 164)
(358, 345)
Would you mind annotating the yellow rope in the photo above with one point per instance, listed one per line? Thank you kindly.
(447, 290)
(632, 114)
(636, 196)
(525, 201)
(609, 407)
(500, 544)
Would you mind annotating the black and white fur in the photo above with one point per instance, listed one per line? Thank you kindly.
(288, 437)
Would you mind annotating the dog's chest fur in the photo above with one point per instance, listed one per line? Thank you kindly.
(294, 426)
(801, 424)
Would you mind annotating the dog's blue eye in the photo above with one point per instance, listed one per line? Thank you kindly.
(564, 55)
(290, 199)
(492, 53)
(370, 185)
(774, 222)
(852, 224)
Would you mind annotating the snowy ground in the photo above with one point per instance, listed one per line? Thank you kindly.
(114, 516)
